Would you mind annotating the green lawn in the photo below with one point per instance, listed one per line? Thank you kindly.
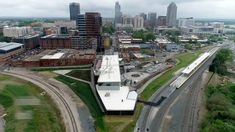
(62, 68)
(184, 60)
(83, 90)
(80, 74)
(45, 117)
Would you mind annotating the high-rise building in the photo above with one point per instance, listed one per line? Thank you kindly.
(118, 13)
(152, 19)
(127, 20)
(161, 21)
(93, 24)
(143, 15)
(138, 22)
(171, 15)
(81, 23)
(74, 9)
(186, 22)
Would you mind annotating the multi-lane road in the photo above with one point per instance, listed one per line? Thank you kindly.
(177, 112)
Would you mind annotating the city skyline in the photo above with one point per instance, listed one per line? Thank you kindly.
(222, 9)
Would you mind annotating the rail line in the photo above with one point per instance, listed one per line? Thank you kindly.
(51, 88)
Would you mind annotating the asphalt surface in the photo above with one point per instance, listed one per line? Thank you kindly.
(171, 114)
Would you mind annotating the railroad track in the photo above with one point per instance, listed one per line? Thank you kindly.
(53, 89)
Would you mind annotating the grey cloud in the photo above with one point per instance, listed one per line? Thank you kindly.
(59, 8)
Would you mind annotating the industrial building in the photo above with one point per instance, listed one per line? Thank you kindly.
(9, 50)
(56, 42)
(64, 57)
(116, 98)
(29, 41)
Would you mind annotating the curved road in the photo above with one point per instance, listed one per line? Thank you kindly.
(66, 106)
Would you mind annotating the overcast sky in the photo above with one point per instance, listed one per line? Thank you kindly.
(59, 8)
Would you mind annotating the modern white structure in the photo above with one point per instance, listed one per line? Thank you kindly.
(200, 30)
(186, 22)
(114, 96)
(171, 15)
(16, 32)
(127, 21)
(138, 23)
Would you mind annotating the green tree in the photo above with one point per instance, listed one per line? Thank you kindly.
(144, 35)
(218, 64)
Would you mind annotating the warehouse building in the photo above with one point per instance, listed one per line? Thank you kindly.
(9, 50)
(56, 42)
(64, 57)
(29, 41)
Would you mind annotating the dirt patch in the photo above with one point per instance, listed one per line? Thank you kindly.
(47, 74)
(1, 110)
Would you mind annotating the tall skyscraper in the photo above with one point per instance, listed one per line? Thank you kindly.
(161, 21)
(118, 13)
(143, 15)
(171, 15)
(74, 9)
(89, 28)
(152, 19)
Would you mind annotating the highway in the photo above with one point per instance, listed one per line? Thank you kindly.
(177, 112)
(66, 106)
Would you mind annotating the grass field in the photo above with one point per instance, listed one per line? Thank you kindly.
(45, 117)
(83, 90)
(81, 74)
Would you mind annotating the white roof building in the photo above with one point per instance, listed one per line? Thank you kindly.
(114, 96)
(5, 47)
(55, 56)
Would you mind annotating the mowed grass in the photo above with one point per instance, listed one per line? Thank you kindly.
(84, 91)
(45, 117)
(81, 74)
(184, 60)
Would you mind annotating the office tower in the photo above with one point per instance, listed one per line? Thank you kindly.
(186, 22)
(171, 15)
(94, 29)
(138, 23)
(143, 15)
(81, 23)
(161, 21)
(152, 19)
(74, 9)
(118, 13)
(93, 23)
